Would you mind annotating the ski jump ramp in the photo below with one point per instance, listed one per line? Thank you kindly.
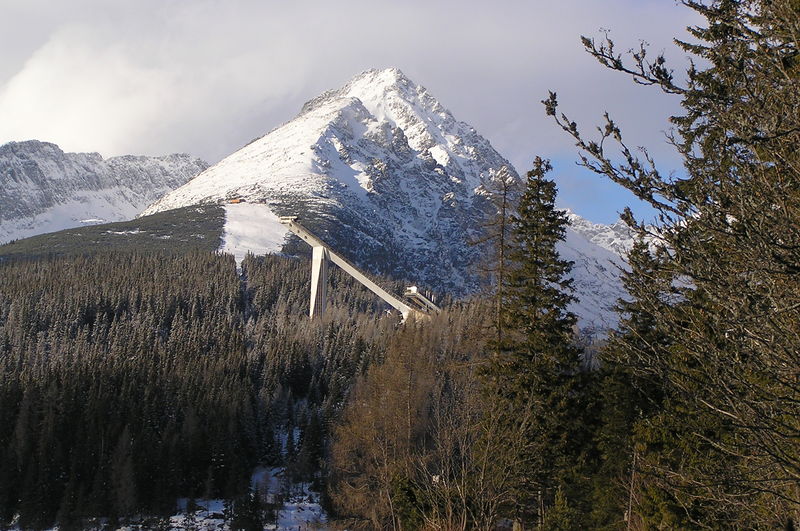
(418, 305)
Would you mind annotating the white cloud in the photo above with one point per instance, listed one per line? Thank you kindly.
(207, 76)
(82, 95)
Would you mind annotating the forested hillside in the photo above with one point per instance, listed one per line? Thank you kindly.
(130, 379)
(179, 230)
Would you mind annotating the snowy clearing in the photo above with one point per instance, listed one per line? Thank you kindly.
(297, 507)
(124, 232)
(251, 228)
(300, 508)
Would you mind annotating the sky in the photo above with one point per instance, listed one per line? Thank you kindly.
(207, 76)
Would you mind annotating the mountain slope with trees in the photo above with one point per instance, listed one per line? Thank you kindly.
(133, 378)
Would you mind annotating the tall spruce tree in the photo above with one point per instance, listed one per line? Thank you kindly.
(629, 393)
(535, 378)
(503, 190)
(726, 440)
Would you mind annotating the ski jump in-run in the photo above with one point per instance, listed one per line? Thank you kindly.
(418, 305)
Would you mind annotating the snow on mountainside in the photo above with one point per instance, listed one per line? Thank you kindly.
(597, 283)
(379, 168)
(45, 190)
(252, 228)
(617, 238)
(386, 175)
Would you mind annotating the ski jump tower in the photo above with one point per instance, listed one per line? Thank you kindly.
(418, 305)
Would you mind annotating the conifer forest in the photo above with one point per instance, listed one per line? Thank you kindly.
(130, 378)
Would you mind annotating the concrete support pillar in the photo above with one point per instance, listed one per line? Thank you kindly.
(319, 281)
(322, 254)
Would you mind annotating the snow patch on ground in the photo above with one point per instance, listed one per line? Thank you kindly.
(298, 509)
(209, 516)
(300, 505)
(251, 228)
(302, 513)
(124, 232)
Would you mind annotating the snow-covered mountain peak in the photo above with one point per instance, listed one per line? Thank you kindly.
(397, 104)
(373, 87)
(387, 176)
(390, 95)
(382, 158)
(365, 135)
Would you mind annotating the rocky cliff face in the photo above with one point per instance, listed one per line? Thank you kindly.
(386, 175)
(43, 189)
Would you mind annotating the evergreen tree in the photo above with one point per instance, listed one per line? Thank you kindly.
(245, 513)
(122, 369)
(629, 392)
(123, 482)
(495, 242)
(561, 517)
(725, 442)
(537, 379)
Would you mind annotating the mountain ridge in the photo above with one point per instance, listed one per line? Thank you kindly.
(46, 189)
